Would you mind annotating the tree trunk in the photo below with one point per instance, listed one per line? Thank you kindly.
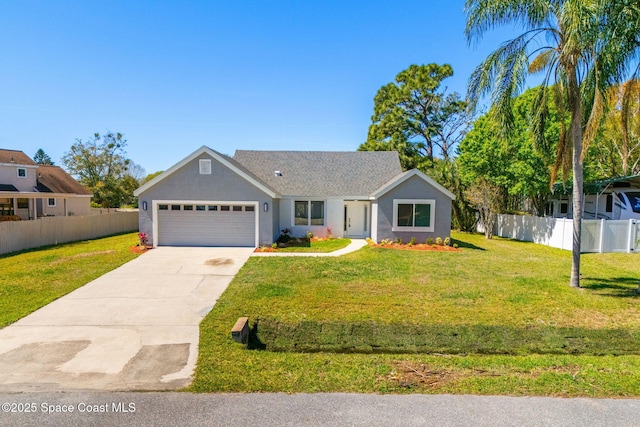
(575, 130)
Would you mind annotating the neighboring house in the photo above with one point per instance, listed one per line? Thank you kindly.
(209, 199)
(29, 190)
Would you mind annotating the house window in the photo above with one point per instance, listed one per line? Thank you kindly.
(366, 217)
(249, 208)
(188, 207)
(225, 208)
(200, 207)
(175, 207)
(23, 203)
(237, 208)
(413, 215)
(163, 207)
(51, 202)
(308, 212)
(213, 208)
(609, 207)
(22, 173)
(564, 207)
(548, 209)
(205, 166)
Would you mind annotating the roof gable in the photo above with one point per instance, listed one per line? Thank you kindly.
(226, 161)
(404, 176)
(16, 157)
(322, 173)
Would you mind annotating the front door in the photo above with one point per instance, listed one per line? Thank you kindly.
(356, 219)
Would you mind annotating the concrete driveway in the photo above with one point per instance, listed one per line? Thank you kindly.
(135, 328)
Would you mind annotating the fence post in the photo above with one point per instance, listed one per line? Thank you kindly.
(632, 237)
(601, 243)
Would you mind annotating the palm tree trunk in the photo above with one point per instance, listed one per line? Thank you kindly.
(575, 131)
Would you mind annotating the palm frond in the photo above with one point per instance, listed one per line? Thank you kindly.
(542, 61)
(484, 15)
(630, 90)
(539, 116)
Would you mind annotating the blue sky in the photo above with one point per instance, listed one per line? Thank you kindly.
(173, 76)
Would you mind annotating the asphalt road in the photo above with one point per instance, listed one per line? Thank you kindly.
(185, 409)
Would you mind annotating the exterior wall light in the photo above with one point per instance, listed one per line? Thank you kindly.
(144, 206)
(266, 207)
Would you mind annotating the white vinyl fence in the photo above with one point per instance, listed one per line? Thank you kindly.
(597, 235)
(21, 235)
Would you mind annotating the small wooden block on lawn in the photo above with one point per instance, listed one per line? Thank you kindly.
(240, 331)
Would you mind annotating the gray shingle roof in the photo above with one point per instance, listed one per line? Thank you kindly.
(322, 173)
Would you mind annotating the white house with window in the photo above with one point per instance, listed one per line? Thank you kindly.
(209, 199)
(31, 191)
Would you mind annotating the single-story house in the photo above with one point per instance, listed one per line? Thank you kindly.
(210, 199)
(30, 191)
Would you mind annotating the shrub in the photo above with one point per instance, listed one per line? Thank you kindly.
(143, 239)
(429, 241)
(309, 234)
(285, 236)
(455, 245)
(385, 242)
(438, 240)
(412, 241)
(274, 245)
(447, 241)
(399, 240)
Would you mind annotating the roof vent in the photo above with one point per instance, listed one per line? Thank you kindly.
(278, 173)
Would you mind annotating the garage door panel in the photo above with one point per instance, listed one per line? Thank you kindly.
(206, 228)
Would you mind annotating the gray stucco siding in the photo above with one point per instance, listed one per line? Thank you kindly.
(414, 188)
(223, 184)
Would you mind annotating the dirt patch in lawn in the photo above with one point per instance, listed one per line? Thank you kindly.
(85, 255)
(411, 375)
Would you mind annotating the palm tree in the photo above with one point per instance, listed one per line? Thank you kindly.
(582, 47)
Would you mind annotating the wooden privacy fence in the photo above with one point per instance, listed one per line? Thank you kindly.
(598, 235)
(20, 235)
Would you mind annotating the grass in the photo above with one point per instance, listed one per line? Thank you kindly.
(34, 278)
(496, 318)
(329, 245)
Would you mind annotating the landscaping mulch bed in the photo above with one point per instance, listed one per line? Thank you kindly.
(139, 249)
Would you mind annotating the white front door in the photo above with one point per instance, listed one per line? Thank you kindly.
(356, 219)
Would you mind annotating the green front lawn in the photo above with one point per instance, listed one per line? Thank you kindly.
(496, 318)
(34, 278)
(329, 245)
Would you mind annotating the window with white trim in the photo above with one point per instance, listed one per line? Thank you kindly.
(414, 215)
(22, 172)
(51, 202)
(308, 212)
(205, 166)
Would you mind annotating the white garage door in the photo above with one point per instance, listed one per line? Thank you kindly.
(206, 225)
